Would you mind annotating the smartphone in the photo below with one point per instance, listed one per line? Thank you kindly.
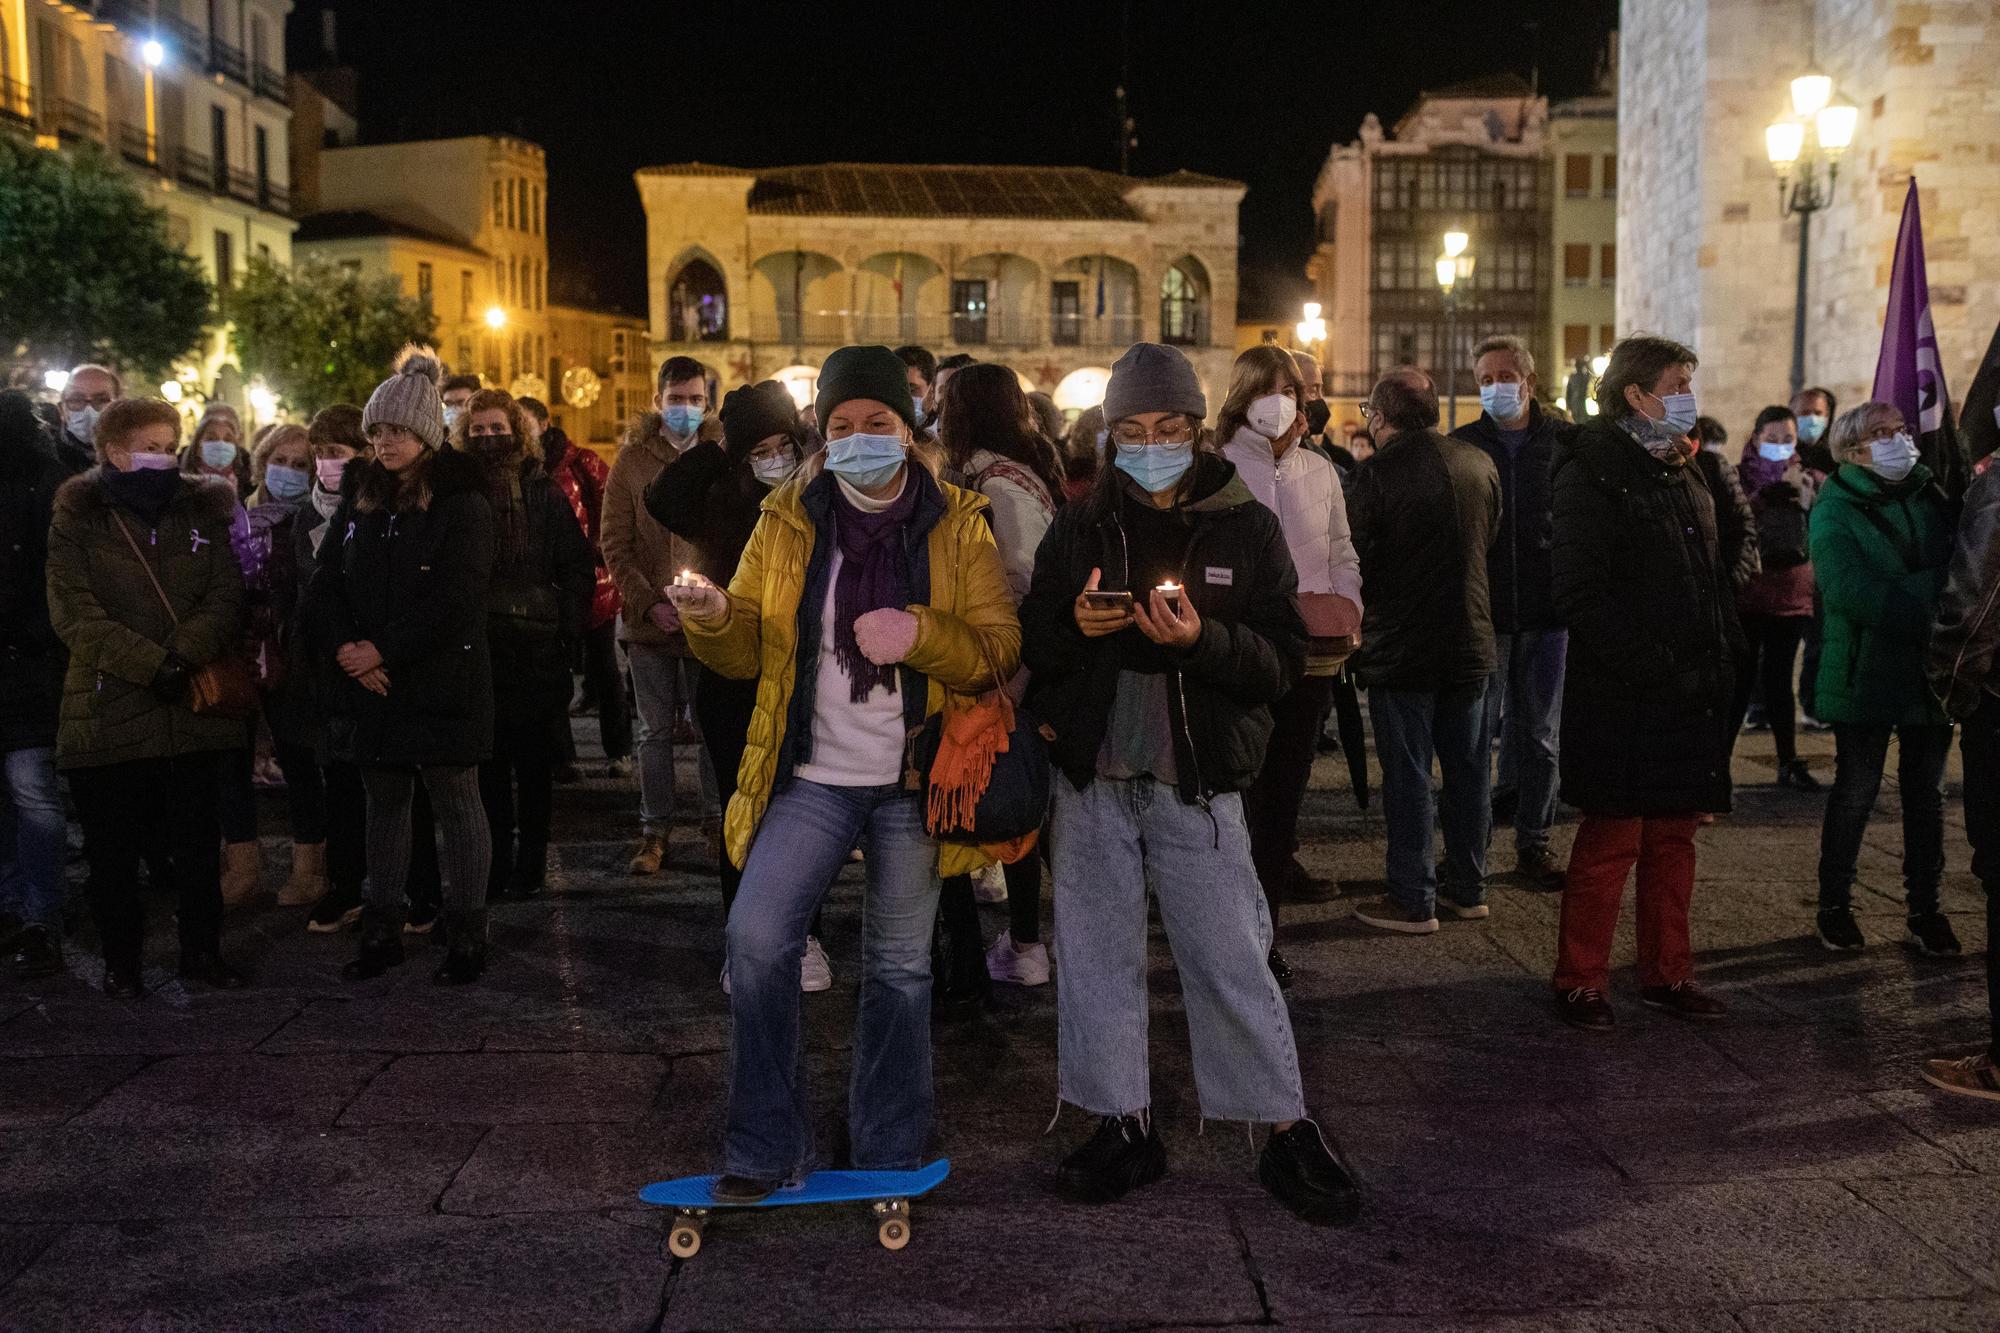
(1108, 599)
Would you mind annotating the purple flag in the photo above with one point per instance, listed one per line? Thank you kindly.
(1909, 373)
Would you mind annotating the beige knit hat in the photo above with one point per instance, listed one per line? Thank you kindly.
(409, 398)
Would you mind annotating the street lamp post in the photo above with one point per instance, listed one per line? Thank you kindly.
(1802, 190)
(1452, 265)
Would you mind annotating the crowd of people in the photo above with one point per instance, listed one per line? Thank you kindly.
(1151, 610)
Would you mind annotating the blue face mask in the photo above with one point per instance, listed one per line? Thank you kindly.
(864, 461)
(1774, 453)
(1156, 467)
(218, 453)
(287, 483)
(1681, 412)
(1501, 401)
(682, 419)
(1811, 427)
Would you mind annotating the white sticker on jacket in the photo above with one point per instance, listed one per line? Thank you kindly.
(1222, 577)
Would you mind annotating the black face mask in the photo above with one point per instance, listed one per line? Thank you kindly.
(145, 491)
(1317, 415)
(491, 444)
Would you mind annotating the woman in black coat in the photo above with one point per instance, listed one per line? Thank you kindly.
(399, 600)
(1640, 582)
(32, 661)
(543, 576)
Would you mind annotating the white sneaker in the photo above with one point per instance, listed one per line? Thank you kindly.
(990, 885)
(815, 973)
(1022, 965)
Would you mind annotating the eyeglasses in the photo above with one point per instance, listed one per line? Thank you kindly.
(1172, 435)
(76, 402)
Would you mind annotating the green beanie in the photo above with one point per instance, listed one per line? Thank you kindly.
(864, 372)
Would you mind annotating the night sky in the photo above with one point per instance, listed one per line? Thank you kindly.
(1253, 91)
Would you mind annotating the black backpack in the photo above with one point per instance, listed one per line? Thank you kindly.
(1781, 529)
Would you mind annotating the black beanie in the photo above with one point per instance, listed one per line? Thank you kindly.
(754, 413)
(865, 372)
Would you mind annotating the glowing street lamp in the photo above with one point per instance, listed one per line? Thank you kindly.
(55, 381)
(1452, 266)
(1817, 131)
(1311, 329)
(152, 53)
(496, 318)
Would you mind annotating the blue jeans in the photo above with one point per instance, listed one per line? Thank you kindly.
(1110, 840)
(1413, 727)
(1860, 754)
(805, 837)
(1524, 713)
(32, 836)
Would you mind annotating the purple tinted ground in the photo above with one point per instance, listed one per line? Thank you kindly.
(311, 1154)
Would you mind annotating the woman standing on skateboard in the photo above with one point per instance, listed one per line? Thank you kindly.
(1162, 625)
(891, 582)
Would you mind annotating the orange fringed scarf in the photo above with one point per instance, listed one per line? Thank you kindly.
(970, 740)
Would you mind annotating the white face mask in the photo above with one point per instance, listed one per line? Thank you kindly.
(1892, 459)
(1272, 415)
(451, 416)
(82, 424)
(771, 471)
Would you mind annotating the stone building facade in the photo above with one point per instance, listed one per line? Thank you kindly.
(1583, 233)
(1707, 256)
(1053, 271)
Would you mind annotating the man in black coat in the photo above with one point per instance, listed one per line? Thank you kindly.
(1424, 510)
(32, 661)
(1524, 697)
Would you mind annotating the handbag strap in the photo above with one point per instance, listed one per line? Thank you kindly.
(146, 565)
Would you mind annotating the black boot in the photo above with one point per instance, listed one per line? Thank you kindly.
(122, 979)
(381, 944)
(1302, 1171)
(531, 871)
(1123, 1154)
(208, 967)
(465, 957)
(38, 954)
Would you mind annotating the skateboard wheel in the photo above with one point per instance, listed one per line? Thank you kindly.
(684, 1241)
(894, 1232)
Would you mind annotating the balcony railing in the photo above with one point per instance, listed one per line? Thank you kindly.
(187, 40)
(194, 168)
(74, 120)
(268, 83)
(137, 146)
(237, 185)
(15, 109)
(274, 198)
(992, 329)
(227, 61)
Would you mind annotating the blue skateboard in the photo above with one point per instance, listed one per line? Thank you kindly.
(887, 1192)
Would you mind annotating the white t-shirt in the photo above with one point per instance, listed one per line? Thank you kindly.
(854, 744)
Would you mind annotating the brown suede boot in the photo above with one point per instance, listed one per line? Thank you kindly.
(242, 866)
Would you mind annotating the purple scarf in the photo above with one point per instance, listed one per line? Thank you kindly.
(871, 578)
(1757, 471)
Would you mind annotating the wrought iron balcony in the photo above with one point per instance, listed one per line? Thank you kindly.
(269, 83)
(74, 120)
(137, 146)
(228, 61)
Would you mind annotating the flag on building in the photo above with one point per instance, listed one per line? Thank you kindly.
(1982, 406)
(1908, 373)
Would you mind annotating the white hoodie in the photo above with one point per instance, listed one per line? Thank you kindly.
(1303, 490)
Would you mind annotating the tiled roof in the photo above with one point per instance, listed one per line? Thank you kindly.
(861, 189)
(359, 223)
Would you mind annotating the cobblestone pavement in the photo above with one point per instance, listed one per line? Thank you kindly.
(312, 1154)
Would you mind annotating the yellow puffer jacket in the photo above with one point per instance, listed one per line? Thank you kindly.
(966, 633)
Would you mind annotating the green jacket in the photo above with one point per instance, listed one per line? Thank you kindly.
(104, 608)
(1879, 553)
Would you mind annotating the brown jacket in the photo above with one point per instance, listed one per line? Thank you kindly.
(642, 555)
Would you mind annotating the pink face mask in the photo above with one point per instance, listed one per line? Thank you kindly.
(142, 462)
(329, 471)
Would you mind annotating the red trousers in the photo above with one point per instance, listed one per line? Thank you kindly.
(1606, 850)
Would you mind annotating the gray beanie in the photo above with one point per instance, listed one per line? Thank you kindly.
(409, 398)
(1151, 377)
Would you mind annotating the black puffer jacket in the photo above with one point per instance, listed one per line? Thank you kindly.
(1424, 510)
(535, 614)
(711, 501)
(32, 658)
(1517, 568)
(414, 584)
(1735, 521)
(1652, 631)
(1235, 569)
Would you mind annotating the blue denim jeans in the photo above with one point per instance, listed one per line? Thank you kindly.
(1110, 841)
(32, 837)
(1524, 713)
(805, 837)
(1860, 754)
(1413, 727)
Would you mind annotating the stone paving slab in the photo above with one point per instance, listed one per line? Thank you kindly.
(1640, 1246)
(510, 1089)
(1883, 1316)
(577, 1168)
(19, 1245)
(49, 1090)
(332, 1276)
(281, 1091)
(120, 1172)
(821, 1268)
(1959, 1219)
(77, 1022)
(1658, 1061)
(1741, 1139)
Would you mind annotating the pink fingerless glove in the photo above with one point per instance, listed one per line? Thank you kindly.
(886, 636)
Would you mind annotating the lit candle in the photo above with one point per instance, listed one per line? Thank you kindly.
(1172, 592)
(685, 579)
